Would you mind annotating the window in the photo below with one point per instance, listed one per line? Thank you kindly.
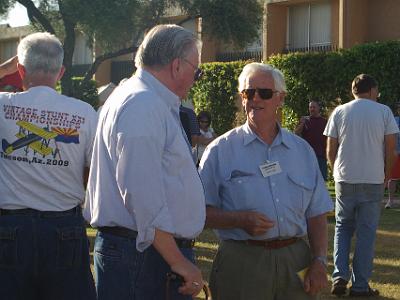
(8, 49)
(309, 26)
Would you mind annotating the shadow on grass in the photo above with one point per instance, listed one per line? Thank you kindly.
(386, 272)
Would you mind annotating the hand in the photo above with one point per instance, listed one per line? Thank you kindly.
(315, 279)
(193, 280)
(9, 67)
(254, 223)
(303, 120)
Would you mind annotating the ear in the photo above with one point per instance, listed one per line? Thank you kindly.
(176, 66)
(60, 75)
(21, 70)
(243, 103)
(282, 98)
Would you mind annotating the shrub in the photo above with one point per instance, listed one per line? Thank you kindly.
(86, 92)
(216, 93)
(327, 77)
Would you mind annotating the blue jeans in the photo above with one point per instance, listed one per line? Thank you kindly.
(44, 257)
(322, 163)
(123, 273)
(358, 208)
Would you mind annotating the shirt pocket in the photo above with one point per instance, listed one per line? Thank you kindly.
(245, 192)
(70, 246)
(300, 192)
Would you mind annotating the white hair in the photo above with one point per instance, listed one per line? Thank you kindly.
(41, 52)
(250, 69)
(163, 43)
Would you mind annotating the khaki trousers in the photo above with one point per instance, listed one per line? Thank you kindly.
(247, 272)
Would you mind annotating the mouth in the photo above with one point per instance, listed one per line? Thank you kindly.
(256, 108)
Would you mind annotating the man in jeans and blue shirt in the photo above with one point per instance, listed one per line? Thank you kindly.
(360, 149)
(144, 193)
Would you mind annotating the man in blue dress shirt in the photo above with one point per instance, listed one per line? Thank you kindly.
(144, 193)
(265, 195)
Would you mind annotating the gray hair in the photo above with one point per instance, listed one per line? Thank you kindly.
(250, 69)
(41, 52)
(164, 43)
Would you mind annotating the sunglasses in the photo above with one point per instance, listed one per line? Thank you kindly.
(265, 94)
(197, 73)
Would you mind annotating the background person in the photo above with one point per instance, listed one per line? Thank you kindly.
(360, 150)
(264, 194)
(395, 174)
(144, 193)
(311, 128)
(47, 140)
(207, 134)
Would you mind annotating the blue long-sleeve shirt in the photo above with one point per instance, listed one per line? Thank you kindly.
(142, 173)
(230, 171)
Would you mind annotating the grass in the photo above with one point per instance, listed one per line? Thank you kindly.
(386, 272)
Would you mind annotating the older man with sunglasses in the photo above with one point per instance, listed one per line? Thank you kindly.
(265, 197)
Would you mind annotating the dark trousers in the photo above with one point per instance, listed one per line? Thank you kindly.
(123, 273)
(44, 257)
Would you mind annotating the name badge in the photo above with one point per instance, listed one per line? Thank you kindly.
(270, 168)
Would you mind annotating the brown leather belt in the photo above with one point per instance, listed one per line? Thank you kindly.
(270, 244)
(132, 234)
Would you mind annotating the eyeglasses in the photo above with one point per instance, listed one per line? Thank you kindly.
(265, 94)
(197, 73)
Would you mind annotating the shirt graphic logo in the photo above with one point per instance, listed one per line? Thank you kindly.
(32, 137)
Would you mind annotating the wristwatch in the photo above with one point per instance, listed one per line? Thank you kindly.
(322, 259)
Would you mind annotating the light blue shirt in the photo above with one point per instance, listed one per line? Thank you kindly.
(142, 175)
(233, 181)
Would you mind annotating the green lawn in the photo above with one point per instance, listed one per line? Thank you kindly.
(386, 275)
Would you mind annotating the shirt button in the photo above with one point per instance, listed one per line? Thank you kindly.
(277, 200)
(273, 183)
(281, 219)
(239, 181)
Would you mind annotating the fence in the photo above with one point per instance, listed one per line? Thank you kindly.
(234, 56)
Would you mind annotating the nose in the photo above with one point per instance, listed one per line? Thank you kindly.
(256, 97)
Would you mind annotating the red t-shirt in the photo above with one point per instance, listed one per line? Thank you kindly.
(11, 83)
(313, 133)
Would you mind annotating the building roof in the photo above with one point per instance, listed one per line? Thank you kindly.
(7, 32)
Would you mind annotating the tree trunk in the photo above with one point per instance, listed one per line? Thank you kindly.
(100, 59)
(69, 46)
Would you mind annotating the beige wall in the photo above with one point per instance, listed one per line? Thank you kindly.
(354, 15)
(335, 23)
(275, 29)
(384, 20)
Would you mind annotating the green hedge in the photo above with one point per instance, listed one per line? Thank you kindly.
(216, 93)
(87, 92)
(326, 77)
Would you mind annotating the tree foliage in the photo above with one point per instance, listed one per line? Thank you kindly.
(118, 26)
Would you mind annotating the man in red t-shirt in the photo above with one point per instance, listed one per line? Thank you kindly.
(311, 129)
(10, 80)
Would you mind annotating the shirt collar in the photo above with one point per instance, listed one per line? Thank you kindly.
(166, 94)
(283, 136)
